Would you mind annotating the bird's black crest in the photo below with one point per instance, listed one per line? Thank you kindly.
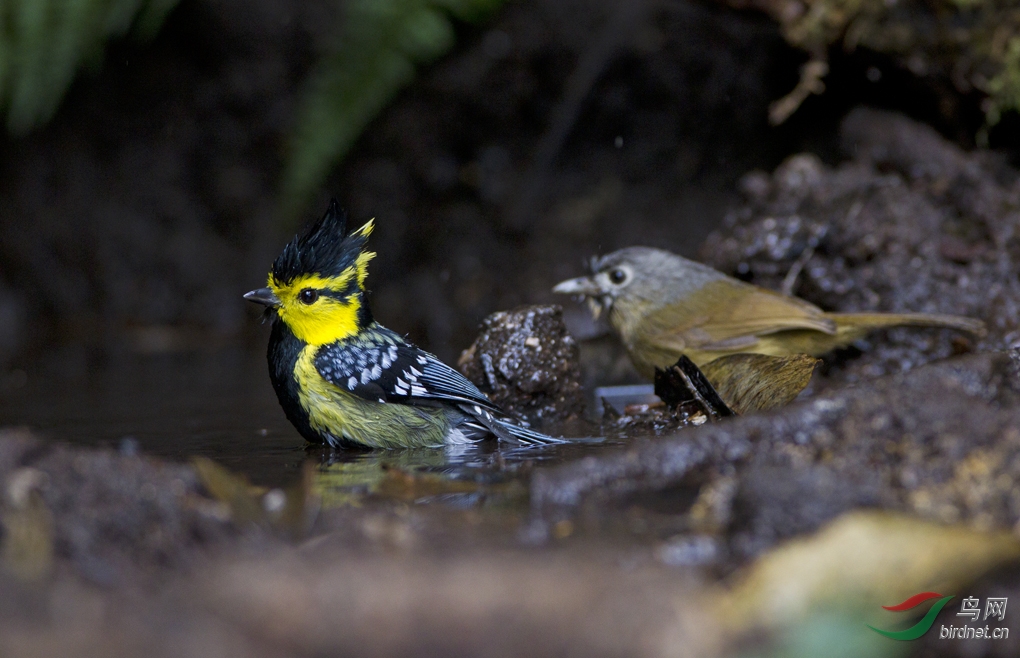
(325, 248)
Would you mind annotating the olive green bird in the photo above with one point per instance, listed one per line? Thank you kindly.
(662, 305)
(345, 380)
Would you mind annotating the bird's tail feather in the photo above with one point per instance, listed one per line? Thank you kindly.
(851, 321)
(527, 436)
(507, 430)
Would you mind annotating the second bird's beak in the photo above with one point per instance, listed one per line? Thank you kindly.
(584, 285)
(263, 296)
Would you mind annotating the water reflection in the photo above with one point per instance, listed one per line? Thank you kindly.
(485, 473)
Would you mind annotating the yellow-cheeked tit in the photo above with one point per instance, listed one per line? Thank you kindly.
(662, 305)
(345, 380)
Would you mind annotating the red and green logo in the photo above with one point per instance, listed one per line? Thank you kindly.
(921, 627)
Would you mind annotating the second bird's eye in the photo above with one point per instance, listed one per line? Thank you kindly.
(617, 276)
(308, 296)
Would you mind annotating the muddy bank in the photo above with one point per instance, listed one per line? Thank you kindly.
(114, 516)
(107, 553)
(939, 442)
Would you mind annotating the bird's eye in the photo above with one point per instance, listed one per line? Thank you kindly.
(617, 276)
(308, 296)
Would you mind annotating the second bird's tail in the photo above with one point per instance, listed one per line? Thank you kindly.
(851, 323)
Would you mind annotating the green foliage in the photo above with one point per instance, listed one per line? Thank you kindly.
(375, 57)
(43, 44)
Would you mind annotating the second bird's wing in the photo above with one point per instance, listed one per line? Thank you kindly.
(717, 326)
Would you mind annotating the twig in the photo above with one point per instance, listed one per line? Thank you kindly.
(811, 75)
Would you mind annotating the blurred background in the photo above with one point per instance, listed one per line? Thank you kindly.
(158, 153)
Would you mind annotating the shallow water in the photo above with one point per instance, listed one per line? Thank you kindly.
(220, 405)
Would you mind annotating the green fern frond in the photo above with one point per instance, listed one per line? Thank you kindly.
(382, 44)
(44, 43)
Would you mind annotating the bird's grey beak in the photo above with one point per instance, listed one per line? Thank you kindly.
(584, 285)
(263, 296)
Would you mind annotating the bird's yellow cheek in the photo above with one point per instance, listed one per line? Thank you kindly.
(323, 322)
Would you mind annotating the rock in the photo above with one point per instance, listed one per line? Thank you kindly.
(527, 363)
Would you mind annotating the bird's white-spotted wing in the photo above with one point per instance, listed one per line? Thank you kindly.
(384, 368)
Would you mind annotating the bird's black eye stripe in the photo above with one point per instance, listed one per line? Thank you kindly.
(617, 275)
(340, 295)
(308, 295)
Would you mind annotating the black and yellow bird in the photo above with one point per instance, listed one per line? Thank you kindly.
(345, 380)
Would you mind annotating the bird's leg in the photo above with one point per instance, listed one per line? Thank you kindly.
(790, 281)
